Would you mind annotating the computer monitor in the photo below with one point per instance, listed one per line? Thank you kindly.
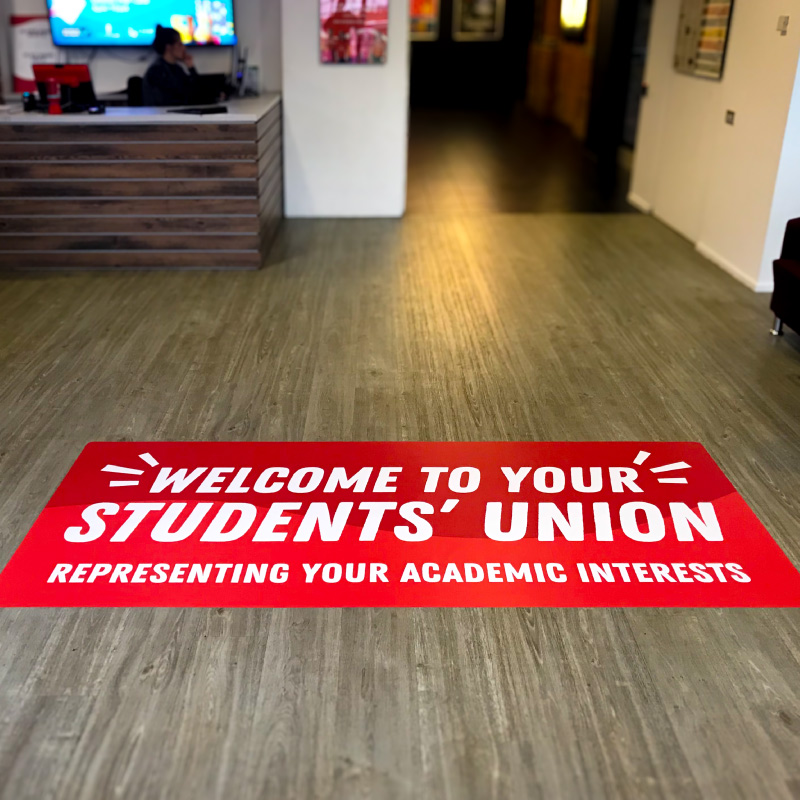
(75, 80)
(210, 88)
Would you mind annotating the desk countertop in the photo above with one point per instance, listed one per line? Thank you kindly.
(245, 109)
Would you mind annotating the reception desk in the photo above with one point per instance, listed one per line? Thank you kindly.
(141, 188)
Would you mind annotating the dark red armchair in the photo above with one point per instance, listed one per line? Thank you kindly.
(786, 295)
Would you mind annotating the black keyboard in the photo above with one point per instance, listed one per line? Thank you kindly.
(199, 110)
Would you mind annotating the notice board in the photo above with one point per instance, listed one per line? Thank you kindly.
(702, 39)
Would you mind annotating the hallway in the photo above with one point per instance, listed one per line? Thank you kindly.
(473, 162)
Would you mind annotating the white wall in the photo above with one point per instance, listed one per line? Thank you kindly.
(258, 29)
(786, 200)
(345, 126)
(710, 181)
(270, 66)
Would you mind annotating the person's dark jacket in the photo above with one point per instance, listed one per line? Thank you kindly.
(168, 84)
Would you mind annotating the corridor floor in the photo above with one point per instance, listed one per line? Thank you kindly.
(487, 327)
(474, 162)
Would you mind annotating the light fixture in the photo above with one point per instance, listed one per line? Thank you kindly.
(573, 17)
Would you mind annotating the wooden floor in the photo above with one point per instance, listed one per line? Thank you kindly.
(498, 326)
(463, 161)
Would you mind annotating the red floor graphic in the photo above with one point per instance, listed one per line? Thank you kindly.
(414, 524)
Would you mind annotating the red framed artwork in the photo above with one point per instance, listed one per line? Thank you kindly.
(353, 31)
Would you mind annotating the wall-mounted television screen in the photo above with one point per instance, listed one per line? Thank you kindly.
(132, 23)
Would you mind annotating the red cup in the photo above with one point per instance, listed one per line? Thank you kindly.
(53, 97)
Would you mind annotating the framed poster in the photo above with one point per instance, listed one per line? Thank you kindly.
(703, 37)
(478, 20)
(424, 20)
(353, 31)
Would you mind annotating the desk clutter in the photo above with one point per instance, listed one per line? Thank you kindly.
(68, 89)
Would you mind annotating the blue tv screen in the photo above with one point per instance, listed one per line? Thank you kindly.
(132, 23)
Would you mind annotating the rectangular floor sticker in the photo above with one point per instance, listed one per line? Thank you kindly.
(397, 524)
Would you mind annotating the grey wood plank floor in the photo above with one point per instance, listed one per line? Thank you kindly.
(507, 327)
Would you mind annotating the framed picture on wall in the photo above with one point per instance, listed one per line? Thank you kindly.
(702, 38)
(353, 31)
(424, 20)
(478, 20)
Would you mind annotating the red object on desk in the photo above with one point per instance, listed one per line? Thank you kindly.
(67, 74)
(53, 97)
(51, 77)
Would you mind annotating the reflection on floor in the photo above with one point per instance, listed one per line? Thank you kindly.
(497, 327)
(471, 162)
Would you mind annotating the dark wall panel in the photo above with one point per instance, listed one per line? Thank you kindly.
(446, 73)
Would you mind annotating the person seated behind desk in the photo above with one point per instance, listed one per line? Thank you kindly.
(166, 82)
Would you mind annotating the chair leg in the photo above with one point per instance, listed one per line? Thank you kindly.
(777, 327)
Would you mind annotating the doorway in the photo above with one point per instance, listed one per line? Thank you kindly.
(530, 123)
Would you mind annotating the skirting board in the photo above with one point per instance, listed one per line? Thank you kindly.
(731, 268)
(639, 202)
